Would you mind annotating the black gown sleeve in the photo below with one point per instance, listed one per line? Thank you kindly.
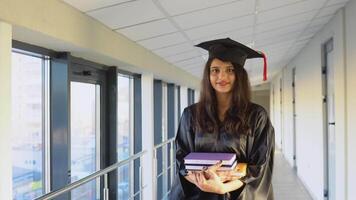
(258, 181)
(184, 145)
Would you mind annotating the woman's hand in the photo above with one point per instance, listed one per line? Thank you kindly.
(191, 177)
(227, 176)
(208, 180)
(231, 175)
(212, 184)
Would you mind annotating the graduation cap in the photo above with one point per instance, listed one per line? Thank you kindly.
(230, 50)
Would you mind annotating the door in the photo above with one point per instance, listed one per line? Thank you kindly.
(87, 93)
(281, 112)
(294, 121)
(329, 120)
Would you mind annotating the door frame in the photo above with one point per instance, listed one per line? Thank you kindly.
(327, 47)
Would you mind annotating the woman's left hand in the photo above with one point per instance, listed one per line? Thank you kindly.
(209, 181)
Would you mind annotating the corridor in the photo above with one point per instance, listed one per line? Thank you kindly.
(286, 184)
(92, 93)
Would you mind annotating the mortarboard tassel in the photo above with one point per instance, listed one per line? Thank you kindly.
(264, 66)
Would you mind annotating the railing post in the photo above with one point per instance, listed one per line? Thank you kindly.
(172, 161)
(154, 187)
(140, 178)
(106, 188)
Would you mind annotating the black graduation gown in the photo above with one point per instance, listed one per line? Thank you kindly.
(256, 150)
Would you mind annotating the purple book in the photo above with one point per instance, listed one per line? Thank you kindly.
(200, 166)
(209, 158)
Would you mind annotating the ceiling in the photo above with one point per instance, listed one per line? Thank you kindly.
(171, 28)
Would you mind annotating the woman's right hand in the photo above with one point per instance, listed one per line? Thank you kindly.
(191, 177)
(231, 175)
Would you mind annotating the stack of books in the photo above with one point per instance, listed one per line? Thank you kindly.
(197, 160)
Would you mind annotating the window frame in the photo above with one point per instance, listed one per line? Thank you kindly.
(45, 55)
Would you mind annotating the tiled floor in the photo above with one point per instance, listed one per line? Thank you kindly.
(286, 184)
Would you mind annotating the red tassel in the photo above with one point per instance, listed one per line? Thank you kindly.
(264, 66)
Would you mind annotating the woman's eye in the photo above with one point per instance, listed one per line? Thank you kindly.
(230, 70)
(214, 71)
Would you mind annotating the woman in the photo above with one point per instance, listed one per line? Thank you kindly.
(226, 121)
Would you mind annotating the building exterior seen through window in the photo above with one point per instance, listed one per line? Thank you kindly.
(125, 135)
(28, 127)
(85, 132)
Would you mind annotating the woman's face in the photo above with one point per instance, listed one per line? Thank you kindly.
(222, 76)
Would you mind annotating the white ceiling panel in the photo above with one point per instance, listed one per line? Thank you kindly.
(216, 14)
(330, 10)
(163, 41)
(275, 51)
(264, 41)
(182, 56)
(195, 67)
(290, 10)
(89, 5)
(148, 30)
(270, 4)
(320, 21)
(188, 62)
(305, 36)
(272, 55)
(243, 36)
(286, 21)
(246, 40)
(127, 14)
(275, 46)
(221, 27)
(312, 30)
(332, 2)
(184, 6)
(173, 50)
(282, 31)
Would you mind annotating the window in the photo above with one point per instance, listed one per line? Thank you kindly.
(162, 152)
(30, 123)
(191, 99)
(85, 134)
(125, 135)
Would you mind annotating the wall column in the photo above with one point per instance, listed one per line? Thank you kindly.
(147, 136)
(5, 111)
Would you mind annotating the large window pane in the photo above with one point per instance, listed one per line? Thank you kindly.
(27, 119)
(85, 129)
(124, 135)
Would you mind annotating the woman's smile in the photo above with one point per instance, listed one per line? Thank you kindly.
(222, 83)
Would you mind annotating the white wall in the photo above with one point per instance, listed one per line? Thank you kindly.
(196, 96)
(277, 123)
(261, 97)
(5, 111)
(183, 98)
(287, 115)
(309, 109)
(350, 102)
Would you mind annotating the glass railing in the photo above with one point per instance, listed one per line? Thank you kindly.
(102, 173)
(163, 173)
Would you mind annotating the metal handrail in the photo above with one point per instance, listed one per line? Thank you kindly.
(91, 177)
(163, 143)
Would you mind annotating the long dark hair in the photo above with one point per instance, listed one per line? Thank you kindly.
(235, 121)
